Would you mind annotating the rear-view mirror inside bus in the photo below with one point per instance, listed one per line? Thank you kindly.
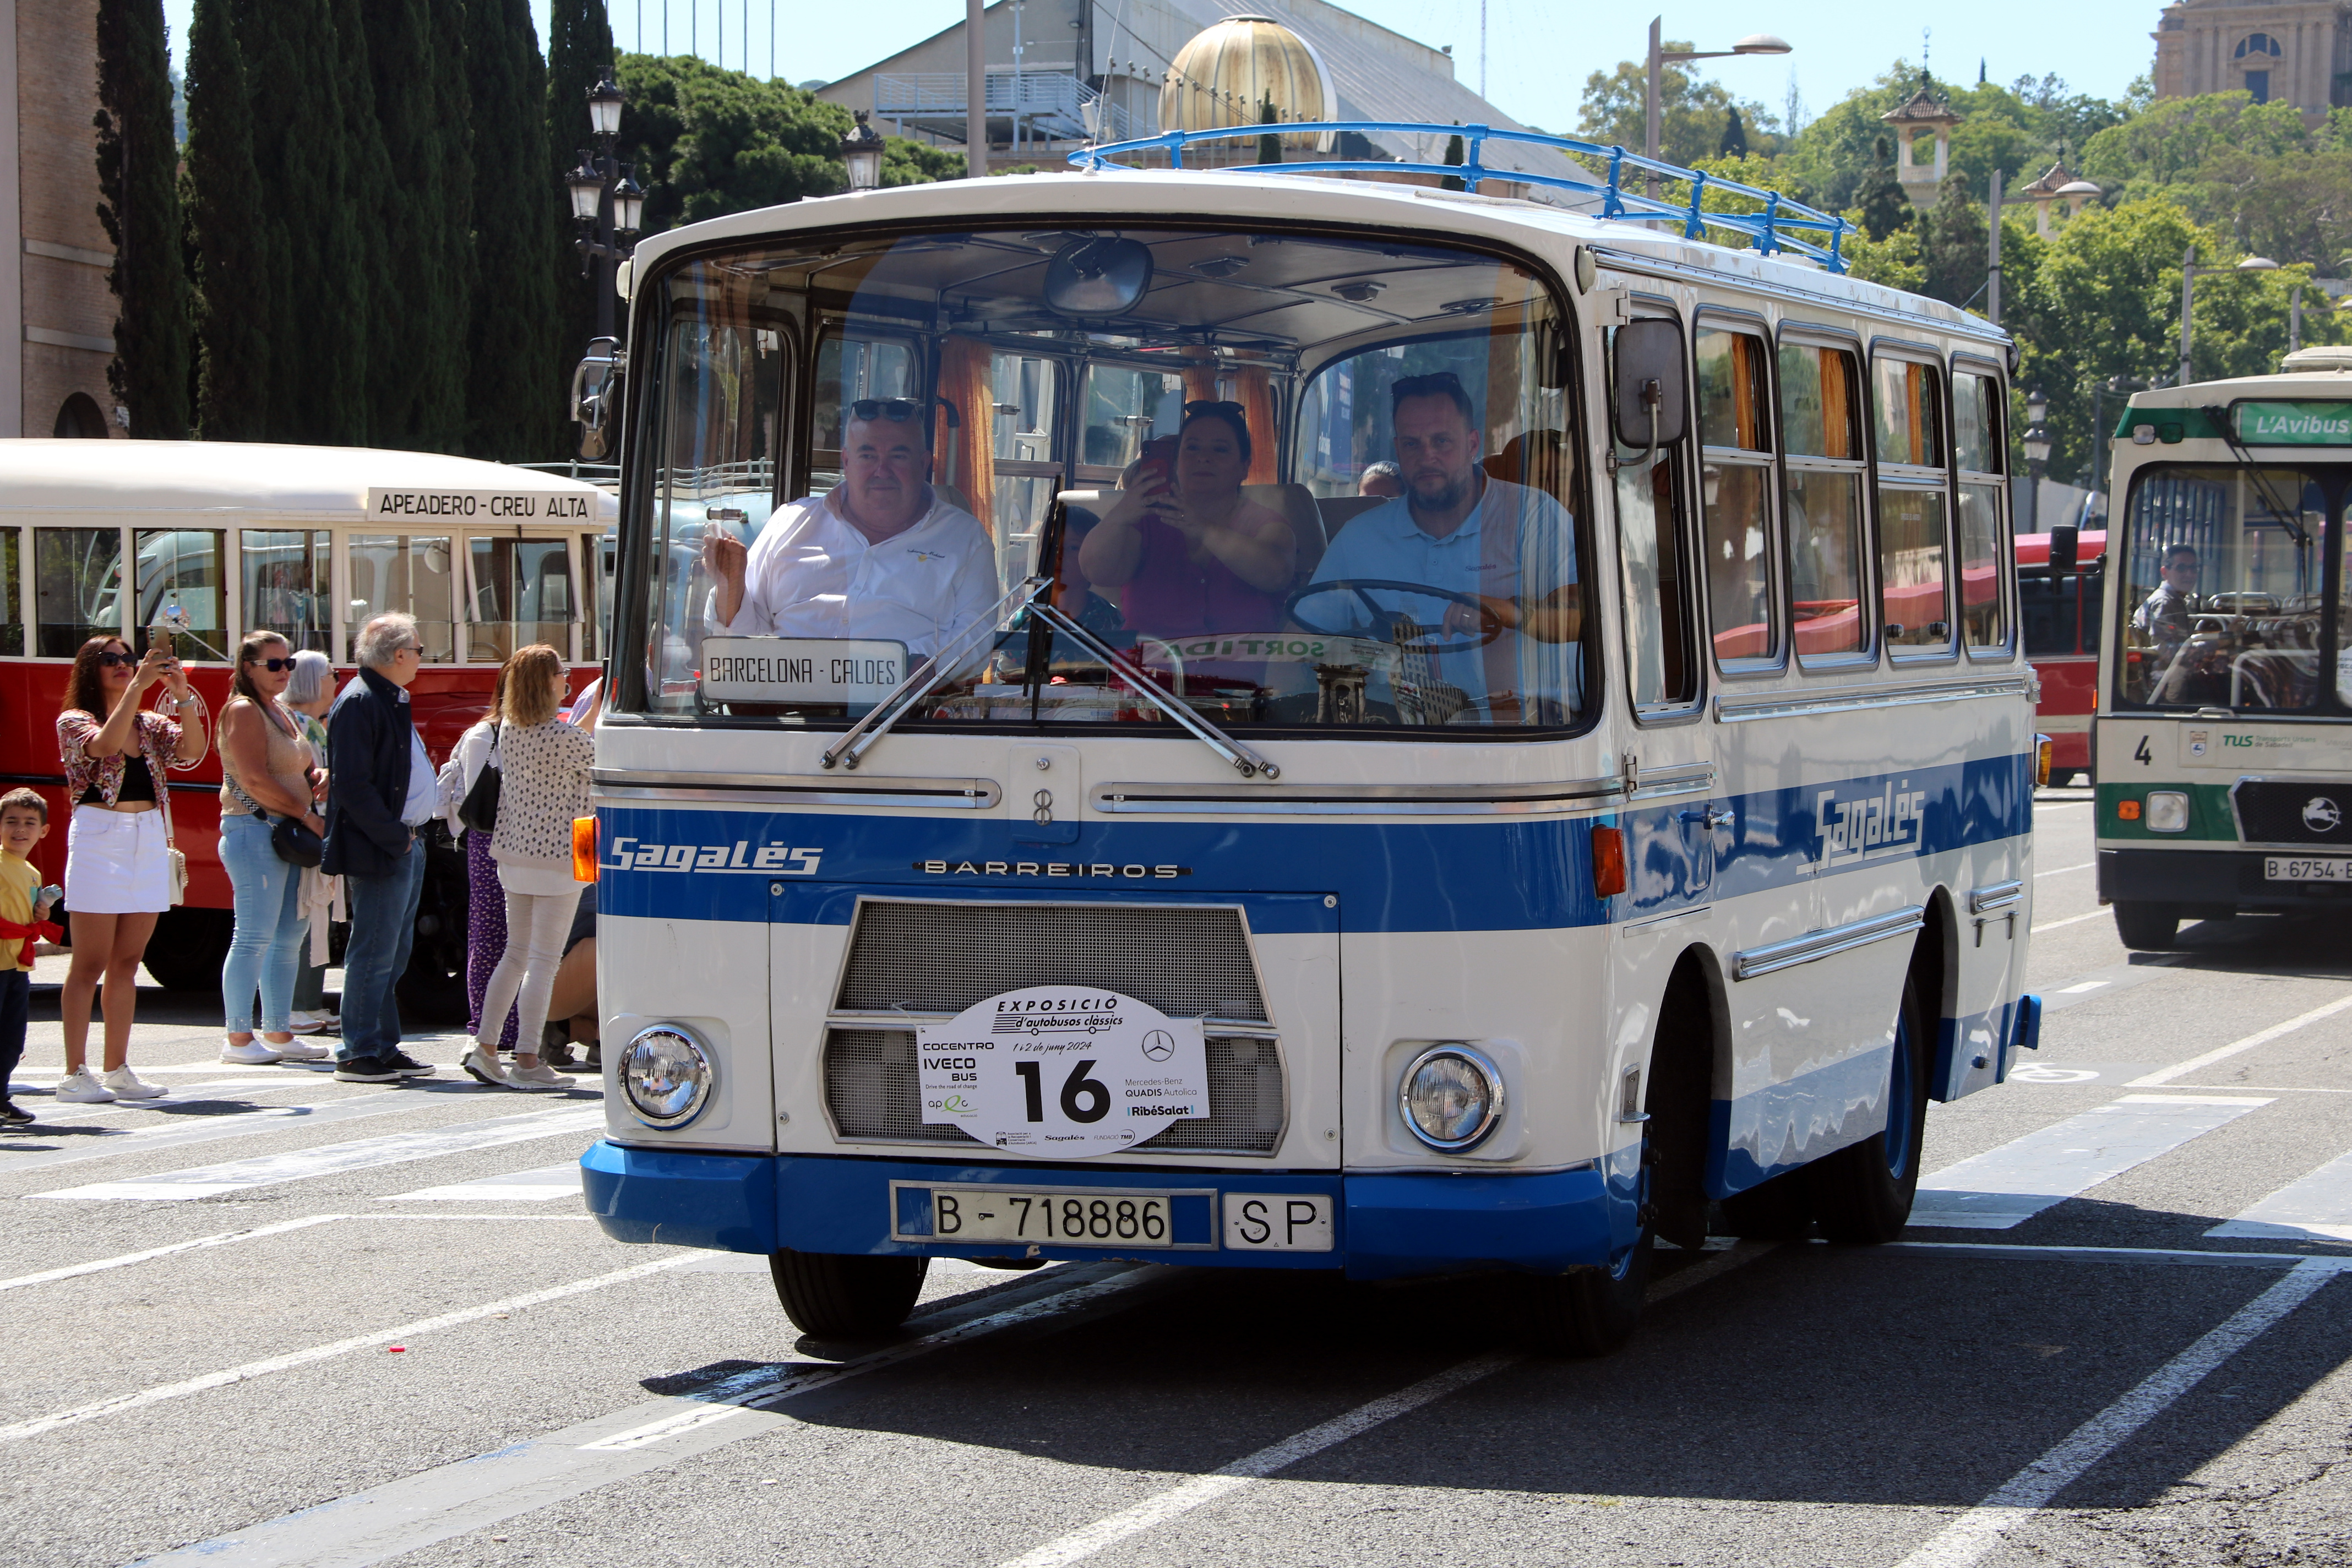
(1647, 390)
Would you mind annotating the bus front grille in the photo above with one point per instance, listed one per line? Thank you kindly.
(942, 956)
(2293, 811)
(871, 1087)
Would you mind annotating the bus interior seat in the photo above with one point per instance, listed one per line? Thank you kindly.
(1539, 459)
(1297, 505)
(951, 495)
(1339, 511)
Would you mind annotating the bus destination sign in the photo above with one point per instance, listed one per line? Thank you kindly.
(858, 671)
(475, 506)
(2295, 424)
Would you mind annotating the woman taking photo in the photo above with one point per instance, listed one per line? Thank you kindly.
(267, 775)
(543, 762)
(118, 847)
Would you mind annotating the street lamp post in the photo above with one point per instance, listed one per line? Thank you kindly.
(2120, 386)
(1660, 57)
(605, 202)
(2189, 273)
(861, 153)
(2037, 454)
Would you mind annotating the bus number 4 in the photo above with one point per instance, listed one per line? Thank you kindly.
(1084, 1098)
(2141, 755)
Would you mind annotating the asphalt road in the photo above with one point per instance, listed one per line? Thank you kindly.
(2122, 1342)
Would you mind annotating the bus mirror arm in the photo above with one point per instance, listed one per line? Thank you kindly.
(1246, 762)
(901, 698)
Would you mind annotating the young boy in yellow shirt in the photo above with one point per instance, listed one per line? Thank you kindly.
(24, 921)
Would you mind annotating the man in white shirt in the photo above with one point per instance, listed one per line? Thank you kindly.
(881, 555)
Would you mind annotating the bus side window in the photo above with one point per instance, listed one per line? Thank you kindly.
(2048, 607)
(1914, 529)
(11, 565)
(77, 587)
(521, 595)
(405, 572)
(1984, 526)
(1661, 642)
(180, 570)
(289, 583)
(1821, 408)
(1734, 403)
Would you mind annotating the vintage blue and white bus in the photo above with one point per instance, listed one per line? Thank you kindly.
(1272, 719)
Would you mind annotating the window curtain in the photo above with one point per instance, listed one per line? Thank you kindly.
(964, 383)
(1255, 395)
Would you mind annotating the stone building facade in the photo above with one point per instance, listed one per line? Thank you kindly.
(54, 254)
(2294, 51)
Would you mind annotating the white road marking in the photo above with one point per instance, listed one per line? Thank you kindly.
(516, 1186)
(2086, 985)
(2068, 920)
(111, 1143)
(1967, 1539)
(222, 1239)
(2062, 870)
(2260, 1037)
(1251, 1468)
(337, 1159)
(2005, 1187)
(2317, 1208)
(20, 1431)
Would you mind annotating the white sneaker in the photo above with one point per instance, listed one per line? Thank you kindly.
(483, 1067)
(255, 1052)
(305, 1023)
(536, 1079)
(126, 1085)
(83, 1089)
(302, 1051)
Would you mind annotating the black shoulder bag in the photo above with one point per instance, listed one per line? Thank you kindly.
(479, 810)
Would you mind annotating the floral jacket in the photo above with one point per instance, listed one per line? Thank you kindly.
(159, 738)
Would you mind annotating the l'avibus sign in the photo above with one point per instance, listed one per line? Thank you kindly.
(474, 506)
(2295, 424)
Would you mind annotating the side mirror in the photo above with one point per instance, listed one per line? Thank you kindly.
(2065, 540)
(596, 394)
(1649, 389)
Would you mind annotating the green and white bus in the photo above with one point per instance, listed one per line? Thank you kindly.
(2225, 708)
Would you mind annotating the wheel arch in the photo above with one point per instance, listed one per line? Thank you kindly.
(1935, 968)
(1690, 1055)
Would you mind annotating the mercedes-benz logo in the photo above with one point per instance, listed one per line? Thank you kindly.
(1160, 1045)
(2322, 815)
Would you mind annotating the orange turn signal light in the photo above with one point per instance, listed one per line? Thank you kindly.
(583, 849)
(2128, 810)
(1607, 861)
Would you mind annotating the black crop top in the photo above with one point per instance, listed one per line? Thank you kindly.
(138, 784)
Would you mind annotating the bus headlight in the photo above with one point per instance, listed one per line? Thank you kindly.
(2167, 811)
(666, 1075)
(1451, 1097)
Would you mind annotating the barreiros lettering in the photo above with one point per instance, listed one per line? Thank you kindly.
(1046, 868)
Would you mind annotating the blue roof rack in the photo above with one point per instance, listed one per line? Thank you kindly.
(1774, 229)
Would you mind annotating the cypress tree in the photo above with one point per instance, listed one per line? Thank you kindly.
(513, 381)
(1734, 135)
(579, 55)
(1884, 208)
(1454, 155)
(374, 323)
(424, 209)
(291, 78)
(1269, 148)
(230, 260)
(138, 158)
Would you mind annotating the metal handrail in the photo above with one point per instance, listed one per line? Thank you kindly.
(1768, 229)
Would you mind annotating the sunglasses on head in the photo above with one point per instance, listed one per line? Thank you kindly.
(1206, 407)
(898, 410)
(1423, 385)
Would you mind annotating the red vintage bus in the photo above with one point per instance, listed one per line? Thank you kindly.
(309, 541)
(2059, 577)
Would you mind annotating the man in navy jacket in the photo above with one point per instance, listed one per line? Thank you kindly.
(379, 790)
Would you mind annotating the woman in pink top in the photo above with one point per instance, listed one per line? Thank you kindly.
(1189, 555)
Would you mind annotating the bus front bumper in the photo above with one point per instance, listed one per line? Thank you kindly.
(2209, 883)
(1382, 1225)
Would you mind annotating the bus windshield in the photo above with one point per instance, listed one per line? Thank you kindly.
(2221, 602)
(1286, 479)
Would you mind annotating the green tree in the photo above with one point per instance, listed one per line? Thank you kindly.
(1691, 113)
(424, 212)
(359, 249)
(1735, 134)
(140, 205)
(513, 375)
(579, 53)
(1454, 154)
(232, 265)
(1880, 205)
(1952, 249)
(1269, 148)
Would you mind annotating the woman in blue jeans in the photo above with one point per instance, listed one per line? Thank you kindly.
(265, 774)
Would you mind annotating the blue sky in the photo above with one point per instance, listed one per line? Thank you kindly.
(1538, 52)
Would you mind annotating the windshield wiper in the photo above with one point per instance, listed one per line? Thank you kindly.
(1248, 764)
(901, 698)
(2218, 417)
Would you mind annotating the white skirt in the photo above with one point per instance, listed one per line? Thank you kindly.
(117, 863)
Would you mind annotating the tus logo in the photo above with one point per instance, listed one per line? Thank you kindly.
(1854, 826)
(767, 860)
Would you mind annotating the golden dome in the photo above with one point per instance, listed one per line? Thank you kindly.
(1228, 71)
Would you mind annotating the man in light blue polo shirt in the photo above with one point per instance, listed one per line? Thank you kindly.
(1508, 551)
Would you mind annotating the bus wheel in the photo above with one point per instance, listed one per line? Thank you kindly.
(1862, 1194)
(1591, 1310)
(189, 949)
(2149, 927)
(833, 1296)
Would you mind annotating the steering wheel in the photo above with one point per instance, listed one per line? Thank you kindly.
(1490, 626)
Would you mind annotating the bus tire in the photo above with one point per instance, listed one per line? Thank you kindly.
(1862, 1195)
(836, 1296)
(189, 949)
(1591, 1311)
(2145, 926)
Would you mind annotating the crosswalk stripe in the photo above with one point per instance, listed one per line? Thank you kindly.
(339, 1159)
(2002, 1188)
(516, 1186)
(2317, 1208)
(109, 1142)
(75, 1270)
(2260, 1037)
(2068, 920)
